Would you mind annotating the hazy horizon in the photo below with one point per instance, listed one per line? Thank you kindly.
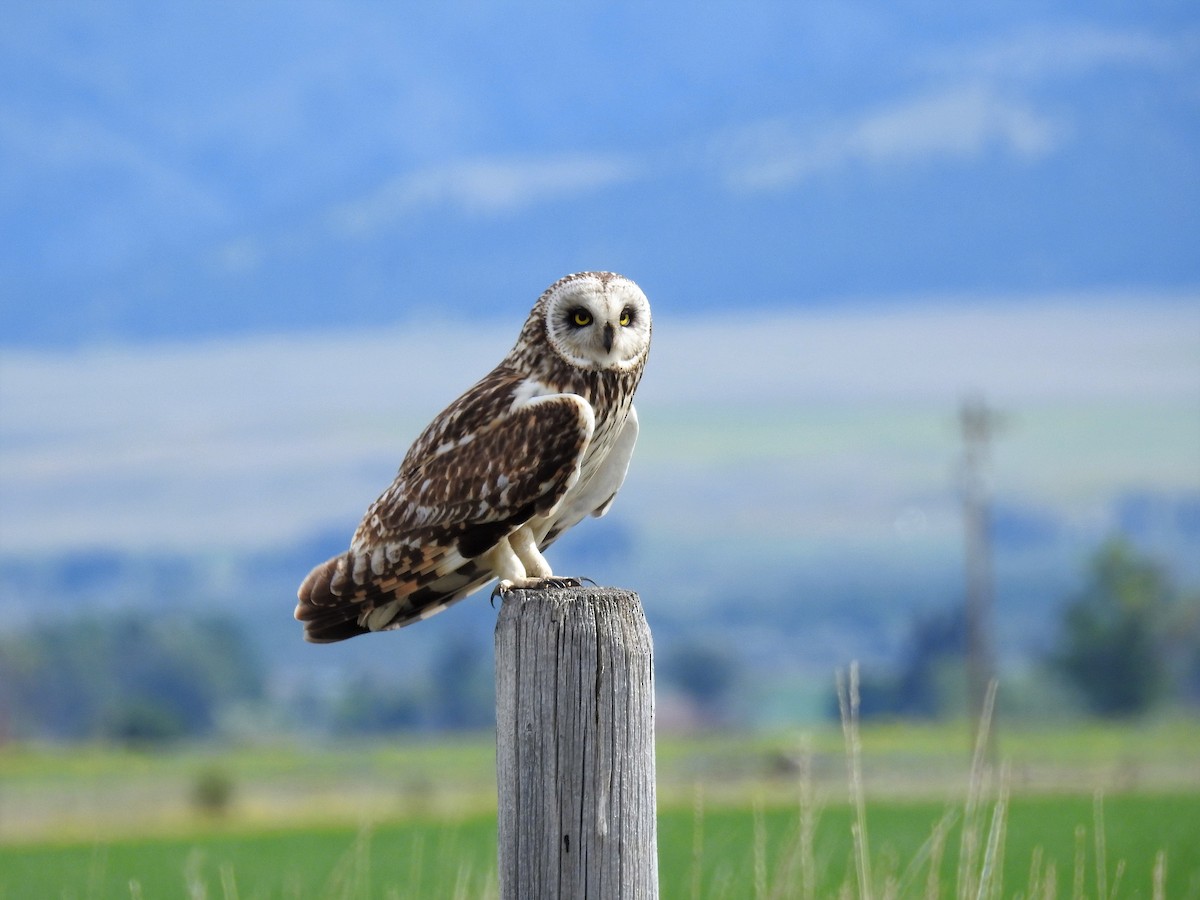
(256, 442)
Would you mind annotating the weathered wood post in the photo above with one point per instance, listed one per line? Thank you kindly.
(575, 746)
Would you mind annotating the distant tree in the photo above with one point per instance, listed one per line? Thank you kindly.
(213, 792)
(1183, 645)
(371, 706)
(464, 694)
(1112, 644)
(707, 675)
(456, 694)
(142, 721)
(126, 677)
(933, 657)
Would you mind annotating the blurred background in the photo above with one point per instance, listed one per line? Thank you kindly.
(926, 287)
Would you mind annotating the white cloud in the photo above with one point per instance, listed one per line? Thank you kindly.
(482, 188)
(1071, 349)
(960, 123)
(1069, 50)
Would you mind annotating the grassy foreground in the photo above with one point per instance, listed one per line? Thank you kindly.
(729, 852)
(1085, 811)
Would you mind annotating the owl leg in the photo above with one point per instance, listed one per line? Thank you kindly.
(525, 547)
(540, 576)
(520, 565)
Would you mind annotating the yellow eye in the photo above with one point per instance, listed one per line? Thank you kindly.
(581, 317)
(626, 317)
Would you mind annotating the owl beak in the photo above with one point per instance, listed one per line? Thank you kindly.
(608, 337)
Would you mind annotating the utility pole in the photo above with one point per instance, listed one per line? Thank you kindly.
(979, 424)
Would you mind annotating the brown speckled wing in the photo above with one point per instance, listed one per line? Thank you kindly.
(481, 469)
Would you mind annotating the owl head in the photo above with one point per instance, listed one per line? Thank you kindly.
(597, 320)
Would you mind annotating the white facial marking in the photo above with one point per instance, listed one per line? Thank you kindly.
(599, 322)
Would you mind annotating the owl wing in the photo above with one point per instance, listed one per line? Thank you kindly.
(496, 457)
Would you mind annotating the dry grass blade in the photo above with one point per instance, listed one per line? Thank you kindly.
(1080, 862)
(721, 882)
(462, 883)
(760, 851)
(193, 877)
(697, 839)
(1050, 885)
(848, 703)
(929, 857)
(350, 878)
(795, 873)
(1160, 876)
(96, 868)
(416, 858)
(808, 825)
(1117, 876)
(491, 888)
(1035, 874)
(991, 878)
(937, 847)
(228, 883)
(967, 882)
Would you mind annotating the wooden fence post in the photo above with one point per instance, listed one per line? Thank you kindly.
(575, 746)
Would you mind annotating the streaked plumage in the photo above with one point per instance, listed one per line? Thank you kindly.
(539, 443)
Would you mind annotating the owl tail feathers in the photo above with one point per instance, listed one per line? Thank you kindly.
(326, 616)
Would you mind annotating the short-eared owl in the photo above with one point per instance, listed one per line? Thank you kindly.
(542, 441)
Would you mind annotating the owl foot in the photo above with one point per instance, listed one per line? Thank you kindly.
(554, 581)
(536, 584)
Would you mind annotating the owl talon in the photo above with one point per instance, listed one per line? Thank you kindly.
(536, 584)
(503, 586)
(553, 581)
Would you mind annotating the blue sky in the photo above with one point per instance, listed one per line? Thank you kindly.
(250, 249)
(198, 170)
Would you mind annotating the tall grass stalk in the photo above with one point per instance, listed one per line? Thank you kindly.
(193, 876)
(351, 877)
(760, 850)
(1050, 890)
(1033, 886)
(1160, 876)
(968, 883)
(848, 703)
(229, 888)
(1117, 876)
(794, 876)
(697, 839)
(1100, 842)
(1080, 862)
(462, 882)
(96, 869)
(416, 859)
(991, 872)
(805, 856)
(936, 849)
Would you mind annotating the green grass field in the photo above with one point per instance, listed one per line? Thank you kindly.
(741, 853)
(417, 819)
